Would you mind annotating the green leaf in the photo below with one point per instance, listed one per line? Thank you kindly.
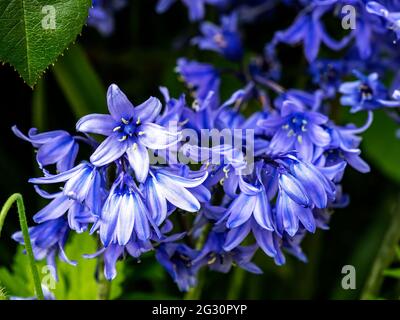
(75, 282)
(382, 147)
(33, 33)
(3, 295)
(81, 85)
(79, 282)
(18, 281)
(392, 273)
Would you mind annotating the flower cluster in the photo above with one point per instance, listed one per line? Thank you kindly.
(260, 181)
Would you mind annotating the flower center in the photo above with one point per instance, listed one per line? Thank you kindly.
(127, 128)
(220, 41)
(296, 126)
(366, 91)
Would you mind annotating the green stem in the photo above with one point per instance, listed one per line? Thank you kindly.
(104, 289)
(195, 293)
(236, 284)
(24, 228)
(385, 256)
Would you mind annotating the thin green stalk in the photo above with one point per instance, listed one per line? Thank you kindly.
(104, 289)
(384, 258)
(236, 284)
(24, 228)
(195, 293)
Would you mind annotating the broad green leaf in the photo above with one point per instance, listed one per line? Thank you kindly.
(3, 294)
(75, 282)
(382, 147)
(80, 84)
(18, 281)
(33, 33)
(79, 282)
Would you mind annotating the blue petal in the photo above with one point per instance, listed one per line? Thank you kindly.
(109, 218)
(54, 209)
(235, 236)
(126, 219)
(240, 210)
(262, 211)
(318, 135)
(306, 218)
(68, 161)
(156, 137)
(177, 195)
(111, 256)
(149, 110)
(156, 202)
(118, 104)
(110, 150)
(286, 214)
(184, 182)
(264, 239)
(313, 185)
(141, 213)
(97, 123)
(62, 177)
(54, 151)
(138, 157)
(293, 189)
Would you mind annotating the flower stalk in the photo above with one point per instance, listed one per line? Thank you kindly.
(24, 228)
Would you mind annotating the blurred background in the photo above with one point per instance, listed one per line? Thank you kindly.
(140, 56)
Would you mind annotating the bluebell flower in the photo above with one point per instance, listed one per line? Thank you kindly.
(135, 248)
(392, 18)
(101, 15)
(123, 213)
(269, 241)
(327, 74)
(83, 183)
(173, 109)
(251, 202)
(48, 240)
(177, 259)
(54, 147)
(217, 259)
(224, 39)
(295, 128)
(79, 215)
(366, 93)
(129, 130)
(344, 146)
(202, 78)
(164, 186)
(309, 29)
